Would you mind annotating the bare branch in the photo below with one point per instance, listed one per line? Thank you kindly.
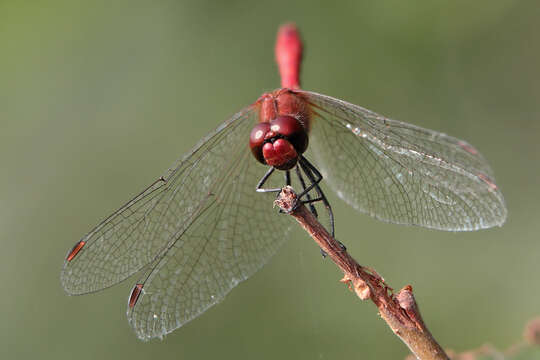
(400, 310)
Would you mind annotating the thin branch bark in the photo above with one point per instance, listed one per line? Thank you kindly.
(400, 310)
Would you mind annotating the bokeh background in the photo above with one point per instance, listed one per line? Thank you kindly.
(97, 98)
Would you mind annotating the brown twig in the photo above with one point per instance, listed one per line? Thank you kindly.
(400, 310)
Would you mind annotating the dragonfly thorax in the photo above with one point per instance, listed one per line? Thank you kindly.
(278, 143)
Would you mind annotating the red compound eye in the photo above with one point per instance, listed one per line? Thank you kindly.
(256, 140)
(292, 130)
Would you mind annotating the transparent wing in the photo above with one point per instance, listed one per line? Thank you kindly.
(212, 183)
(401, 173)
(232, 236)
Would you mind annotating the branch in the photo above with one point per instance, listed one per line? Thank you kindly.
(400, 310)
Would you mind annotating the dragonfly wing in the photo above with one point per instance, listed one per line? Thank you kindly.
(141, 231)
(401, 173)
(235, 232)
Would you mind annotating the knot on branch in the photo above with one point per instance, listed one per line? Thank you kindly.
(359, 286)
(406, 301)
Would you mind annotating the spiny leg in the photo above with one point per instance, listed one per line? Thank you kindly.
(314, 179)
(263, 181)
(322, 197)
(309, 201)
(309, 170)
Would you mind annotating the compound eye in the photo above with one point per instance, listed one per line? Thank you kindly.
(256, 140)
(292, 130)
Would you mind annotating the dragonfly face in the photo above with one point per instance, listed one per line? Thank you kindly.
(279, 142)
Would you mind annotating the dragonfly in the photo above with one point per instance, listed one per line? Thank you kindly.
(208, 222)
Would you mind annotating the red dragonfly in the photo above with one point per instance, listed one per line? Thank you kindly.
(208, 223)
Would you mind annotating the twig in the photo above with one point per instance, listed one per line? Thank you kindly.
(400, 310)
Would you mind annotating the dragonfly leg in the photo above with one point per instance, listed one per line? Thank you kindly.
(309, 169)
(308, 201)
(313, 174)
(263, 181)
(315, 179)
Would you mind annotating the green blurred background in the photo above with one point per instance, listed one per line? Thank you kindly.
(97, 98)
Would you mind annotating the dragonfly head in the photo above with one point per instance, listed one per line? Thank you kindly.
(278, 143)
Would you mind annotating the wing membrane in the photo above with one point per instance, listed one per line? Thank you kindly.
(231, 238)
(401, 173)
(143, 230)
